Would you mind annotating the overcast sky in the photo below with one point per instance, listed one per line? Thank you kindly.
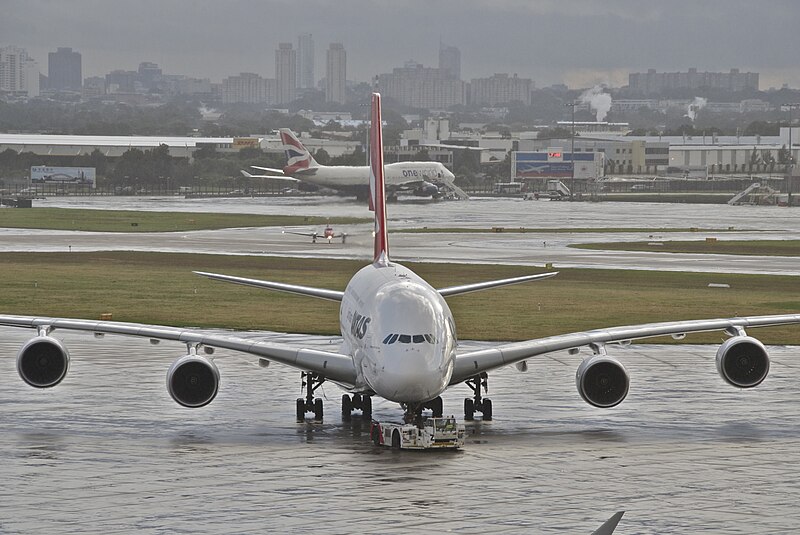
(577, 42)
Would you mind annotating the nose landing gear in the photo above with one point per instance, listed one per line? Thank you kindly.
(413, 413)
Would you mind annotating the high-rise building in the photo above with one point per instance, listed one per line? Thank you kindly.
(249, 88)
(286, 72)
(335, 73)
(450, 61)
(64, 70)
(500, 89)
(150, 75)
(18, 71)
(305, 61)
(422, 87)
(120, 81)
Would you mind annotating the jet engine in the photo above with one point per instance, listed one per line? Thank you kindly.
(43, 362)
(426, 189)
(602, 381)
(743, 361)
(193, 381)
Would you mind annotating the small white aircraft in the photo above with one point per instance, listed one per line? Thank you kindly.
(417, 178)
(399, 339)
(327, 234)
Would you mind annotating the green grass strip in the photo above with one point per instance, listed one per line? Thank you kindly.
(160, 288)
(575, 230)
(728, 247)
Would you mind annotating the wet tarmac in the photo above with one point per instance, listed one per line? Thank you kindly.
(109, 452)
(532, 248)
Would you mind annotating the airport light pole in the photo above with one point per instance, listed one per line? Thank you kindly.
(572, 150)
(790, 161)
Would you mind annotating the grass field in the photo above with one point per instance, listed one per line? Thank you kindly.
(160, 288)
(137, 221)
(523, 230)
(732, 247)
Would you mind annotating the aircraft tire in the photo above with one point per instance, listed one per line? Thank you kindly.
(396, 440)
(469, 409)
(437, 406)
(318, 409)
(347, 407)
(487, 410)
(366, 407)
(301, 409)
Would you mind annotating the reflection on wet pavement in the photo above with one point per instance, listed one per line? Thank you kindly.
(108, 451)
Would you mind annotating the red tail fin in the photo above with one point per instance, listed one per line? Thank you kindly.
(377, 186)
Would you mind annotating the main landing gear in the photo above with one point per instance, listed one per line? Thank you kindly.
(358, 401)
(311, 381)
(477, 403)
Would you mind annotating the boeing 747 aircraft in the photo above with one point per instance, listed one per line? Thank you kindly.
(417, 178)
(399, 339)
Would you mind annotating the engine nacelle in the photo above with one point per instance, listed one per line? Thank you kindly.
(602, 381)
(43, 362)
(426, 189)
(743, 361)
(193, 381)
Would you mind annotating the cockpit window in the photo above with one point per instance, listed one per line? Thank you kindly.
(409, 338)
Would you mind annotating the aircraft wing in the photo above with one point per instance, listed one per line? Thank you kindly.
(274, 177)
(467, 288)
(309, 234)
(334, 366)
(475, 362)
(322, 293)
(269, 169)
(455, 147)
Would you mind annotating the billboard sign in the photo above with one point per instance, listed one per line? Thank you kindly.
(555, 164)
(245, 143)
(81, 176)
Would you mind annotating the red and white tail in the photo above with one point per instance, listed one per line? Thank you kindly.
(377, 185)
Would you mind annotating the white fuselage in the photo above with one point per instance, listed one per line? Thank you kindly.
(400, 333)
(396, 174)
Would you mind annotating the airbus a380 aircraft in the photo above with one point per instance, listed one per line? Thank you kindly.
(399, 339)
(413, 177)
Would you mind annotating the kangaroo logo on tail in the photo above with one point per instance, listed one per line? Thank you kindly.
(297, 156)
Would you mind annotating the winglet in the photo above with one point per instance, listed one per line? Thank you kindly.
(377, 185)
(609, 525)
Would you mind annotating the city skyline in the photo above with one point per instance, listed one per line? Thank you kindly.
(576, 42)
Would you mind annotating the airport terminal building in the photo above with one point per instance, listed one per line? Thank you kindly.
(115, 146)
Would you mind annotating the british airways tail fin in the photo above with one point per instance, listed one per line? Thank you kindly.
(297, 156)
(377, 185)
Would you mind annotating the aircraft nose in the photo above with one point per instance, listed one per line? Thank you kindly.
(409, 374)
